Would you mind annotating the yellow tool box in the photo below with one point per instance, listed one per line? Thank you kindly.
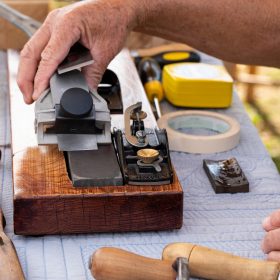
(197, 85)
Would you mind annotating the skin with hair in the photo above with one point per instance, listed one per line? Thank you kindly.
(238, 31)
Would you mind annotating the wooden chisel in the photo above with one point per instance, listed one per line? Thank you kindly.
(202, 262)
(10, 267)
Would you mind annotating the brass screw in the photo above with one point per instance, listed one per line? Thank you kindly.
(141, 115)
(147, 155)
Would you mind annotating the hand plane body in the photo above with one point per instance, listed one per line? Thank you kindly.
(78, 121)
(72, 116)
(143, 153)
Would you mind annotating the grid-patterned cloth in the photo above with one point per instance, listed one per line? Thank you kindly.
(227, 222)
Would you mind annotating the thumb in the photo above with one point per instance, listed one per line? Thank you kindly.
(272, 221)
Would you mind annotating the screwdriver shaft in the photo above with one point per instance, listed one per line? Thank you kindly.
(157, 107)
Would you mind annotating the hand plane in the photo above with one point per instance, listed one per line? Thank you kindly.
(70, 115)
(143, 153)
(78, 120)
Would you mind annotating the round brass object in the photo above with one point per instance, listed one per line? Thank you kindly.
(148, 155)
(139, 115)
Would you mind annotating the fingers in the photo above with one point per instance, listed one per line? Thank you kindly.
(56, 50)
(101, 59)
(274, 256)
(93, 74)
(43, 53)
(29, 59)
(272, 221)
(271, 241)
(64, 27)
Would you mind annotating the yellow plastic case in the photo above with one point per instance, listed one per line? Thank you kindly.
(197, 85)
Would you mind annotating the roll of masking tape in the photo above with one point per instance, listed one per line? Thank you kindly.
(186, 131)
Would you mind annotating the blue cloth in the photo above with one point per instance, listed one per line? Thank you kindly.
(231, 223)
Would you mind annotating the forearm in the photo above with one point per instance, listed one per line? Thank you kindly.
(239, 31)
(234, 30)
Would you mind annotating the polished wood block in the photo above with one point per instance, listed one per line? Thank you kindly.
(45, 201)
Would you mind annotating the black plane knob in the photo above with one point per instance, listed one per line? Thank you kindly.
(76, 103)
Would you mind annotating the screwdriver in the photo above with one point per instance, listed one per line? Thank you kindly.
(150, 75)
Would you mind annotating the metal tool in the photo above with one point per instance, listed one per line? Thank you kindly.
(21, 21)
(148, 155)
(78, 120)
(135, 134)
(226, 176)
(72, 116)
(150, 75)
(131, 147)
(181, 267)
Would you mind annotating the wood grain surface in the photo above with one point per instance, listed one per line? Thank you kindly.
(44, 169)
(124, 264)
(45, 201)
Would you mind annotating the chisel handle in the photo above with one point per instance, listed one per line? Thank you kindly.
(216, 265)
(9, 263)
(117, 264)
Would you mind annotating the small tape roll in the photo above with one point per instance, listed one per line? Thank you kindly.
(226, 128)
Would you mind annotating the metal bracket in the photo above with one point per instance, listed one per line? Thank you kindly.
(139, 139)
(181, 267)
(155, 164)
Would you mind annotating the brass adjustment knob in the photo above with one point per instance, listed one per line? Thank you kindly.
(147, 155)
(140, 115)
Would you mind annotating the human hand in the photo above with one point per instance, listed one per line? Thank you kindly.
(102, 26)
(271, 242)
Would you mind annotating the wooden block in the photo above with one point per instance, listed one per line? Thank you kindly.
(45, 202)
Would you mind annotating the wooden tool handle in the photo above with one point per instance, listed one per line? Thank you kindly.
(216, 265)
(9, 263)
(117, 264)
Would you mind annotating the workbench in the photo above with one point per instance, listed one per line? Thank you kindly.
(231, 223)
